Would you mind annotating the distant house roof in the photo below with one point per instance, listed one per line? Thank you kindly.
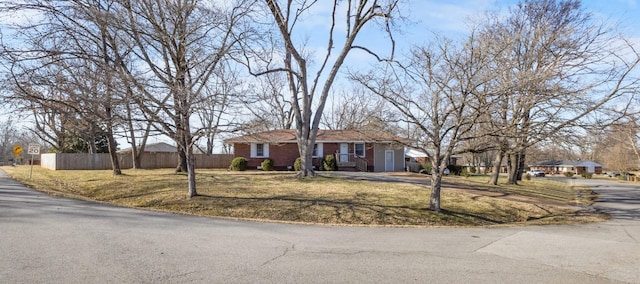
(573, 163)
(159, 147)
(415, 153)
(324, 136)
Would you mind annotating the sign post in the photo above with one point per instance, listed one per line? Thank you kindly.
(34, 149)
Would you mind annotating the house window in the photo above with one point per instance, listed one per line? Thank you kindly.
(259, 150)
(359, 149)
(317, 150)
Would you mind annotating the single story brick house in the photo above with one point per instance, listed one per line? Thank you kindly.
(354, 150)
(561, 167)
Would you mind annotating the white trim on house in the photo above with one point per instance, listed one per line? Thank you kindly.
(254, 150)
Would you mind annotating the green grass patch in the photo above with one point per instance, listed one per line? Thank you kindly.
(279, 196)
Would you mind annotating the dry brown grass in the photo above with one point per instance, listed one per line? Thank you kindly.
(279, 196)
(546, 190)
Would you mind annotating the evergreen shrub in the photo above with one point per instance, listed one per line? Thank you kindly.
(239, 164)
(330, 163)
(267, 164)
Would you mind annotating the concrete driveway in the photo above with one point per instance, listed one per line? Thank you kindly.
(44, 239)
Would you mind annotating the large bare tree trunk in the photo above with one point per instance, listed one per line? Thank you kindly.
(111, 141)
(436, 185)
(113, 154)
(306, 162)
(521, 165)
(497, 166)
(438, 166)
(182, 154)
(512, 166)
(190, 162)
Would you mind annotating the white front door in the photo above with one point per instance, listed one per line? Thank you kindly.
(344, 152)
(388, 161)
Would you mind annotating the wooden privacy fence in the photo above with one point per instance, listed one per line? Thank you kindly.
(67, 161)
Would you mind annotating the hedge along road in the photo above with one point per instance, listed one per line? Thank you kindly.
(55, 240)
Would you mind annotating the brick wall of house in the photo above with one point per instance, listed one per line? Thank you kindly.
(285, 154)
(241, 150)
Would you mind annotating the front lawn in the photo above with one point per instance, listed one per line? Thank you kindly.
(279, 196)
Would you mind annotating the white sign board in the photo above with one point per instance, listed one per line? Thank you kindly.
(34, 149)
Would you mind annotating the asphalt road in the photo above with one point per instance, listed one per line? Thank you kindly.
(44, 239)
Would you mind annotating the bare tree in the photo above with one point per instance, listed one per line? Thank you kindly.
(268, 104)
(360, 110)
(52, 122)
(308, 89)
(439, 92)
(72, 36)
(618, 147)
(64, 113)
(7, 139)
(11, 135)
(162, 55)
(554, 66)
(558, 150)
(181, 44)
(215, 110)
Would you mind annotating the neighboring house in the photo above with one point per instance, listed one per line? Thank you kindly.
(354, 150)
(159, 147)
(576, 167)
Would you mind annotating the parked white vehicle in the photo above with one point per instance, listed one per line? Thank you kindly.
(536, 173)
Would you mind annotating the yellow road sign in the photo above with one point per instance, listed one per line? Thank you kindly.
(17, 150)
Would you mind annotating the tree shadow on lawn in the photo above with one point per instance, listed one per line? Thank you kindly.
(473, 216)
(349, 211)
(536, 195)
(549, 194)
